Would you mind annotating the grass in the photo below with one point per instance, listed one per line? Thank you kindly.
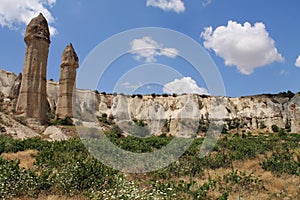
(26, 158)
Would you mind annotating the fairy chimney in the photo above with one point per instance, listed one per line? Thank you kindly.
(32, 101)
(67, 82)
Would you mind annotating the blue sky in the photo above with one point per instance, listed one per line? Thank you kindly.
(254, 43)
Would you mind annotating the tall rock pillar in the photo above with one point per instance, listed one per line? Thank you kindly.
(67, 82)
(32, 101)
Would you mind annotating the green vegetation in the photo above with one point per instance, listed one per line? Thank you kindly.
(67, 168)
(67, 121)
(275, 128)
(288, 94)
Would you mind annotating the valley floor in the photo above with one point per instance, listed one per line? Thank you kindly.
(240, 166)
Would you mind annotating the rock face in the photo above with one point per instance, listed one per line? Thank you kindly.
(170, 113)
(55, 134)
(7, 79)
(247, 113)
(67, 82)
(32, 101)
(15, 89)
(15, 129)
(52, 94)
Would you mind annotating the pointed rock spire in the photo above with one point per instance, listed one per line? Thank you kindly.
(32, 100)
(37, 28)
(67, 82)
(69, 57)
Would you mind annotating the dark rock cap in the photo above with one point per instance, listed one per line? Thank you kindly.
(69, 57)
(37, 28)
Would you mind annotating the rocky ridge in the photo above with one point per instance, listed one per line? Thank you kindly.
(165, 112)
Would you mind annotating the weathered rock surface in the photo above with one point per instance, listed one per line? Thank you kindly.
(54, 133)
(15, 89)
(7, 80)
(252, 113)
(37, 29)
(32, 101)
(67, 81)
(52, 94)
(14, 128)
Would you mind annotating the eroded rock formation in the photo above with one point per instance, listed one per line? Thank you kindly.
(67, 82)
(259, 112)
(250, 113)
(32, 101)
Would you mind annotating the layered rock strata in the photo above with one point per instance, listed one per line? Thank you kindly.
(67, 82)
(32, 101)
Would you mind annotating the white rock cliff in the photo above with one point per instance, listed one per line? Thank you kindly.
(252, 112)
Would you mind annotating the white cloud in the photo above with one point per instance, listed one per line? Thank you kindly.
(206, 2)
(245, 46)
(168, 5)
(297, 63)
(129, 85)
(184, 85)
(14, 13)
(146, 49)
(283, 72)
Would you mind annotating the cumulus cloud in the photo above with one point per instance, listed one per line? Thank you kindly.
(297, 63)
(184, 85)
(146, 49)
(168, 5)
(245, 46)
(14, 13)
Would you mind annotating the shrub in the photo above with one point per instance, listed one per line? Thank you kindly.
(16, 181)
(288, 126)
(111, 117)
(282, 132)
(288, 94)
(282, 162)
(275, 128)
(104, 119)
(66, 167)
(67, 121)
(262, 126)
(224, 129)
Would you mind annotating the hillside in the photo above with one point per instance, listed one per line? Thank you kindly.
(239, 167)
(257, 156)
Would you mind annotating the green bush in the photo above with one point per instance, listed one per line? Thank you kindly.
(282, 161)
(282, 132)
(105, 119)
(67, 121)
(16, 181)
(275, 128)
